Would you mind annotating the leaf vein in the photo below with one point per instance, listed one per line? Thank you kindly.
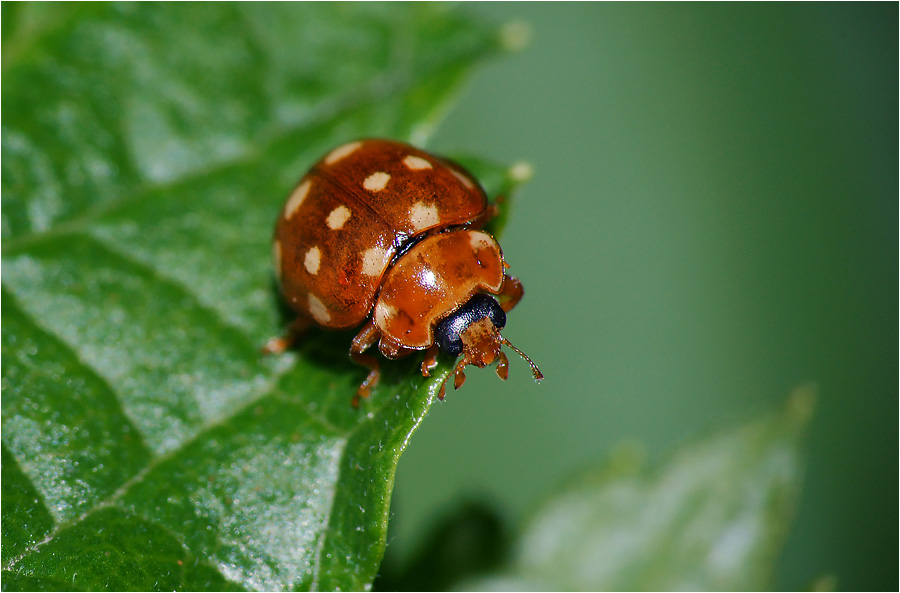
(113, 499)
(335, 109)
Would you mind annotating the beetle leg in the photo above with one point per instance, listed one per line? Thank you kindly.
(510, 293)
(458, 375)
(430, 361)
(364, 340)
(503, 367)
(280, 344)
(459, 378)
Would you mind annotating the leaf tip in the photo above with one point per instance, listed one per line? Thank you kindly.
(520, 172)
(515, 35)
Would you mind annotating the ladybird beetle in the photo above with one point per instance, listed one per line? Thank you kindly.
(385, 235)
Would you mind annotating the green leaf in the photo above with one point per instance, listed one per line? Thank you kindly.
(712, 518)
(146, 152)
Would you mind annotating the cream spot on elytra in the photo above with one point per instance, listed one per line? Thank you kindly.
(312, 260)
(423, 217)
(341, 152)
(415, 163)
(338, 217)
(376, 181)
(293, 203)
(374, 261)
(318, 309)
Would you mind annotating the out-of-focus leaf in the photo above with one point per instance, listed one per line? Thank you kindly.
(467, 543)
(712, 518)
(146, 152)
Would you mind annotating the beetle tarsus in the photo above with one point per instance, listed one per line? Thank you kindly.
(459, 379)
(503, 367)
(430, 361)
(365, 389)
(364, 340)
(277, 345)
(280, 344)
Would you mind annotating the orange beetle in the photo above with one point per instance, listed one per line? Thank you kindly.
(381, 233)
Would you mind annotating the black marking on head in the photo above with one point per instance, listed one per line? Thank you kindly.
(447, 331)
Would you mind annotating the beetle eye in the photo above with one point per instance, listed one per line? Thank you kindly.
(447, 331)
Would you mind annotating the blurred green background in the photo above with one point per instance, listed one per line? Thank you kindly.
(711, 224)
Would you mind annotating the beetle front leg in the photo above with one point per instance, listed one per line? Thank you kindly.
(430, 361)
(459, 377)
(510, 293)
(364, 340)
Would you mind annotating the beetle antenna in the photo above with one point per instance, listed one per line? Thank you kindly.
(538, 375)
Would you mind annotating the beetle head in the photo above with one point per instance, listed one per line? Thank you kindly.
(473, 331)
